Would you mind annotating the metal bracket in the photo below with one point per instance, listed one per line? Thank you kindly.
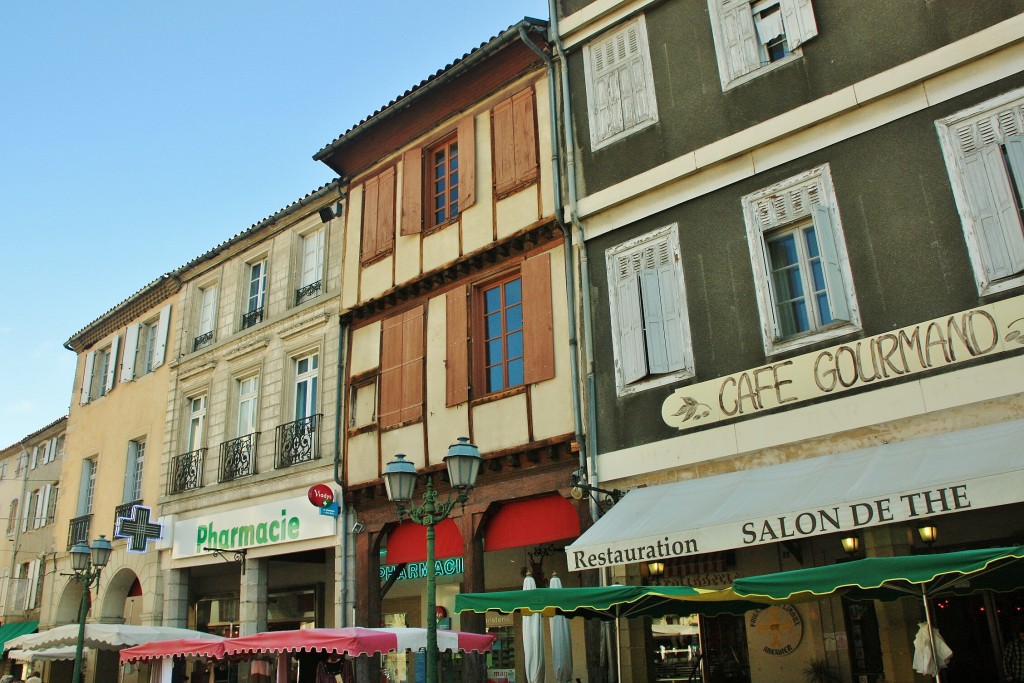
(238, 555)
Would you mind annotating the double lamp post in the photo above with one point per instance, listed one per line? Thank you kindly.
(87, 563)
(463, 463)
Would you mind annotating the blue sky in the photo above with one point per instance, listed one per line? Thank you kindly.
(137, 135)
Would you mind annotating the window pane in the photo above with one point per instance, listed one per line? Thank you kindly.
(494, 379)
(514, 318)
(515, 373)
(492, 300)
(492, 326)
(493, 352)
(515, 345)
(513, 292)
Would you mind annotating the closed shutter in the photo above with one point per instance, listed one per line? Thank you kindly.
(467, 163)
(207, 310)
(412, 364)
(608, 99)
(524, 121)
(538, 323)
(131, 345)
(51, 510)
(824, 230)
(112, 362)
(87, 377)
(655, 329)
(412, 191)
(630, 328)
(368, 244)
(504, 147)
(740, 39)
(391, 372)
(997, 220)
(798, 18)
(386, 212)
(457, 347)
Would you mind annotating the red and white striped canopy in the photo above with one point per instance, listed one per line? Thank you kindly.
(355, 641)
(182, 647)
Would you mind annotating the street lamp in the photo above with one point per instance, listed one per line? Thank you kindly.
(87, 563)
(463, 463)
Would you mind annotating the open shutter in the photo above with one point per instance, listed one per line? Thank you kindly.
(112, 362)
(34, 458)
(412, 365)
(504, 147)
(52, 452)
(824, 230)
(538, 324)
(87, 377)
(391, 372)
(83, 488)
(457, 346)
(412, 191)
(670, 313)
(997, 221)
(655, 333)
(1015, 159)
(41, 502)
(467, 163)
(630, 328)
(129, 473)
(798, 18)
(30, 583)
(131, 346)
(740, 48)
(28, 510)
(162, 329)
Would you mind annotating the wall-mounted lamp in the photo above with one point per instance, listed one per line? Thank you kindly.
(580, 488)
(656, 569)
(851, 544)
(326, 214)
(928, 532)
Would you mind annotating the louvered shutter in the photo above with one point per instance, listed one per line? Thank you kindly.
(798, 18)
(630, 325)
(504, 147)
(412, 191)
(672, 309)
(654, 331)
(131, 345)
(608, 105)
(87, 377)
(457, 347)
(740, 39)
(538, 322)
(824, 230)
(524, 137)
(996, 218)
(112, 362)
(412, 365)
(467, 163)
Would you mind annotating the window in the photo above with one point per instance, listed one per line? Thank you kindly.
(306, 371)
(248, 394)
(511, 326)
(753, 37)
(145, 346)
(801, 269)
(401, 368)
(51, 510)
(87, 487)
(257, 293)
(449, 190)
(196, 423)
(207, 317)
(134, 471)
(3, 469)
(984, 150)
(44, 500)
(312, 267)
(651, 334)
(12, 517)
(515, 143)
(443, 195)
(378, 235)
(620, 84)
(98, 374)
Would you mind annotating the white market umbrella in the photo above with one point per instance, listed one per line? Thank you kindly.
(561, 643)
(533, 640)
(102, 636)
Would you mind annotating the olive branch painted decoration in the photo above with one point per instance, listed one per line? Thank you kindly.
(1015, 335)
(692, 409)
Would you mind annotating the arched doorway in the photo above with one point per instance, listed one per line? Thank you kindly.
(122, 599)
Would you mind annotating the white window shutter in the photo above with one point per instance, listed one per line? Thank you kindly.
(129, 474)
(162, 329)
(34, 458)
(83, 488)
(131, 346)
(654, 332)
(51, 453)
(87, 377)
(672, 312)
(824, 230)
(997, 221)
(798, 18)
(608, 108)
(27, 511)
(631, 330)
(112, 364)
(30, 583)
(41, 500)
(740, 39)
(44, 517)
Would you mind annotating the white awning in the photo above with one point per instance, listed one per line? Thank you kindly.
(899, 482)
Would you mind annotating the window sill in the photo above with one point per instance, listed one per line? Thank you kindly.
(772, 66)
(775, 348)
(498, 395)
(652, 382)
(365, 261)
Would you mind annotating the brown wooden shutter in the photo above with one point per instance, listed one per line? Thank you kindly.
(525, 135)
(368, 245)
(391, 372)
(457, 347)
(412, 191)
(412, 364)
(504, 147)
(538, 332)
(467, 163)
(386, 212)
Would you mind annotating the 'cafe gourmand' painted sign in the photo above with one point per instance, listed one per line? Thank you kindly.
(946, 341)
(282, 521)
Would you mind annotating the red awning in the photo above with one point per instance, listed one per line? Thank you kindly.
(408, 542)
(532, 522)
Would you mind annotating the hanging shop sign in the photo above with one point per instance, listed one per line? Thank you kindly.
(450, 566)
(775, 630)
(322, 498)
(943, 342)
(284, 521)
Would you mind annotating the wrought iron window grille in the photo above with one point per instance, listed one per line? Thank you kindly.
(202, 340)
(238, 457)
(252, 317)
(298, 441)
(123, 510)
(310, 291)
(78, 530)
(186, 471)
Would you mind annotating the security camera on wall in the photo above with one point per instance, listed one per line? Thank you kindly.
(358, 528)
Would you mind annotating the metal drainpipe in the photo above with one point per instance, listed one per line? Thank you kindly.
(341, 387)
(570, 283)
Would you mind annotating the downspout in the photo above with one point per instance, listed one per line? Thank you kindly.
(570, 284)
(341, 389)
(568, 132)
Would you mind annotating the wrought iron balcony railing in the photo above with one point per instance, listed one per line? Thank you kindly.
(310, 291)
(298, 441)
(78, 530)
(186, 471)
(123, 510)
(238, 457)
(252, 317)
(202, 340)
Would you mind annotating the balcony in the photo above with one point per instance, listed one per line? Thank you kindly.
(78, 530)
(252, 317)
(298, 441)
(123, 510)
(238, 457)
(186, 472)
(310, 291)
(202, 340)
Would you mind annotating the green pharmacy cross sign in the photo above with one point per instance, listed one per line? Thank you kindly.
(138, 529)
